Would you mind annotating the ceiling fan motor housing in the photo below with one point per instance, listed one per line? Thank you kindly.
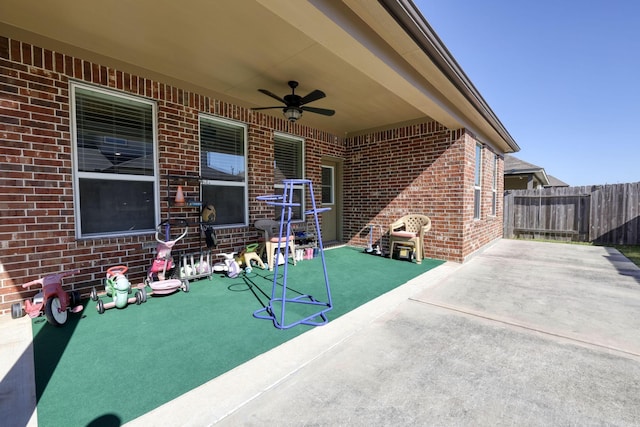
(295, 104)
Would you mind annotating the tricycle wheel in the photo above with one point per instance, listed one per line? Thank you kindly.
(75, 298)
(94, 294)
(16, 311)
(55, 315)
(100, 307)
(185, 286)
(143, 291)
(138, 298)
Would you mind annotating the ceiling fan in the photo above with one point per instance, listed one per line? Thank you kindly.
(294, 104)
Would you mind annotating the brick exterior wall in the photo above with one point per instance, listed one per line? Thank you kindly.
(387, 174)
(37, 231)
(434, 169)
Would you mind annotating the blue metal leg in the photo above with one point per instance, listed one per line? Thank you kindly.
(286, 203)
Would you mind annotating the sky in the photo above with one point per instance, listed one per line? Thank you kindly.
(563, 77)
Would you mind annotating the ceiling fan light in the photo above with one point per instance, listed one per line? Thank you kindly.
(292, 114)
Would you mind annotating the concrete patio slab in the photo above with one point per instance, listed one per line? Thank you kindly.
(586, 293)
(18, 385)
(526, 333)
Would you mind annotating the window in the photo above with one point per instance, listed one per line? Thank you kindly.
(223, 167)
(289, 164)
(494, 186)
(477, 183)
(327, 185)
(115, 171)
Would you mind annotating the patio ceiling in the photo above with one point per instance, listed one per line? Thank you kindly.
(378, 61)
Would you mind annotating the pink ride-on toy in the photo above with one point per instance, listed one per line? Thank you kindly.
(161, 278)
(52, 300)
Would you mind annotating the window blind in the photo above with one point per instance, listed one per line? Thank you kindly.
(288, 159)
(222, 151)
(114, 134)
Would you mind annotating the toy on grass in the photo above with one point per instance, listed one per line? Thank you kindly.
(187, 270)
(378, 248)
(249, 254)
(194, 267)
(203, 267)
(371, 248)
(118, 287)
(229, 265)
(163, 270)
(52, 300)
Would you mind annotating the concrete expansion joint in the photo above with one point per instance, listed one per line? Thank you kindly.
(473, 313)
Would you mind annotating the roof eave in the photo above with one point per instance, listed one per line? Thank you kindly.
(413, 22)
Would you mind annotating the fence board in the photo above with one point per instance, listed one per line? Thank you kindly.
(603, 214)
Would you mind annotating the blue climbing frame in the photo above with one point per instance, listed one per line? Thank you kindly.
(286, 203)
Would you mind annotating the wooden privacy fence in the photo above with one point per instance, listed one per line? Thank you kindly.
(603, 214)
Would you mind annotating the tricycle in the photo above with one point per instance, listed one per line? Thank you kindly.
(163, 272)
(118, 287)
(229, 266)
(52, 300)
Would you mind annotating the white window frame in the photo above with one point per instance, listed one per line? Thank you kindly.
(494, 187)
(78, 175)
(333, 185)
(477, 183)
(279, 187)
(245, 183)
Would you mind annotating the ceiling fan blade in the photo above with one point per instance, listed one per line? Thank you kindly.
(313, 96)
(268, 108)
(323, 111)
(271, 94)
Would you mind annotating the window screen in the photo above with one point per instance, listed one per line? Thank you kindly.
(477, 183)
(114, 147)
(288, 159)
(288, 164)
(494, 186)
(222, 151)
(114, 134)
(327, 185)
(223, 169)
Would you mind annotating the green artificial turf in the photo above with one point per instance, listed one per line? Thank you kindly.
(114, 367)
